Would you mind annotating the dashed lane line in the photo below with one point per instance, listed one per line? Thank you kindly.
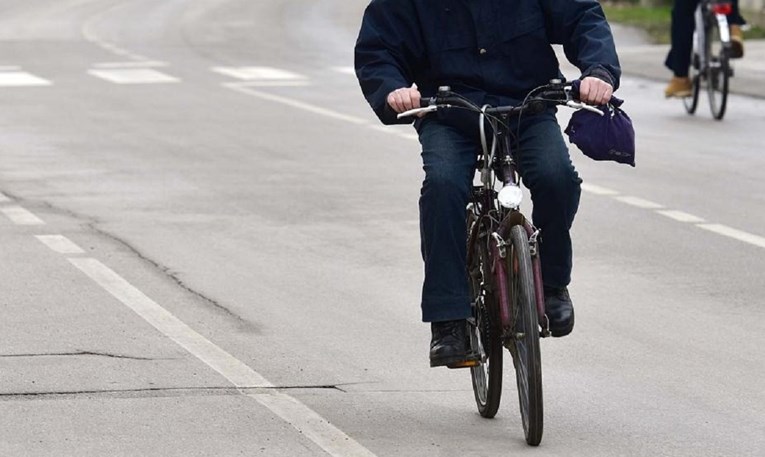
(597, 190)
(60, 244)
(305, 420)
(345, 70)
(21, 216)
(639, 202)
(736, 234)
(681, 216)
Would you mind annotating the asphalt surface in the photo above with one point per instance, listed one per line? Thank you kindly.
(639, 58)
(203, 256)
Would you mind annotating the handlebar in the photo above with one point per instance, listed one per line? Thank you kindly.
(554, 93)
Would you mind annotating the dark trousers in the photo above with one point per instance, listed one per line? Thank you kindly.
(449, 158)
(679, 56)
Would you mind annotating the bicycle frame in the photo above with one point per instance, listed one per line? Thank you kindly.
(705, 10)
(498, 221)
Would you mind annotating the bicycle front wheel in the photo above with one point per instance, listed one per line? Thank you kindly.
(524, 337)
(693, 101)
(484, 332)
(718, 72)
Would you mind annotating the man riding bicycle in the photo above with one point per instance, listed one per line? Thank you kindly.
(492, 52)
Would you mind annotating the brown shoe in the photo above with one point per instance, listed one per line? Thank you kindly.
(736, 42)
(679, 87)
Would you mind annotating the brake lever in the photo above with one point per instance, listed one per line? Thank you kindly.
(415, 111)
(584, 106)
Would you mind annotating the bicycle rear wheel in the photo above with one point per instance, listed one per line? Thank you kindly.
(717, 72)
(485, 336)
(524, 339)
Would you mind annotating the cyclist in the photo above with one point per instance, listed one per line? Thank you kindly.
(492, 52)
(679, 56)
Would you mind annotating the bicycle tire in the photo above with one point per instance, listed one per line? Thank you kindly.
(692, 102)
(485, 335)
(525, 336)
(718, 72)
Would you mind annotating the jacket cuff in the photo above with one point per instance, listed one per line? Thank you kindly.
(600, 73)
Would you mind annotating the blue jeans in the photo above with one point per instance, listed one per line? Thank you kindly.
(449, 158)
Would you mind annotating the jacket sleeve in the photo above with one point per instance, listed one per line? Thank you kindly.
(581, 27)
(386, 51)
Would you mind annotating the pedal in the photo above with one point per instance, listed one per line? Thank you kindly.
(465, 364)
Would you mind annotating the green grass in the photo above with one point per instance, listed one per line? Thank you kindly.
(655, 21)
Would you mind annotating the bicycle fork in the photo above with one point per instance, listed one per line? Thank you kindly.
(504, 299)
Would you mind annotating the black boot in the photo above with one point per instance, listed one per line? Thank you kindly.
(559, 310)
(449, 345)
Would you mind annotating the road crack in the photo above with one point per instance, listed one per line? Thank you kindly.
(78, 353)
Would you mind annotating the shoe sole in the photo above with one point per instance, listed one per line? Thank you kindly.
(458, 361)
(563, 331)
(681, 94)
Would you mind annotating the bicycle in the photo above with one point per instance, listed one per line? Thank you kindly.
(710, 61)
(503, 263)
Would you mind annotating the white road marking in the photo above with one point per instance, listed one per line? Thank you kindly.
(133, 76)
(91, 36)
(10, 68)
(4, 198)
(313, 426)
(60, 244)
(309, 423)
(736, 234)
(591, 188)
(278, 84)
(243, 88)
(258, 73)
(137, 64)
(345, 70)
(21, 79)
(21, 216)
(639, 202)
(597, 190)
(681, 216)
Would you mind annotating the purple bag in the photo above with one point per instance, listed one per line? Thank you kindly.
(607, 137)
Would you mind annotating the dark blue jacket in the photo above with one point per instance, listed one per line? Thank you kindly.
(492, 51)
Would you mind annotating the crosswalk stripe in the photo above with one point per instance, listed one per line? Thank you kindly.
(133, 76)
(21, 216)
(259, 73)
(138, 64)
(21, 79)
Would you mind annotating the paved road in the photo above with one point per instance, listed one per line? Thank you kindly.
(210, 248)
(638, 58)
